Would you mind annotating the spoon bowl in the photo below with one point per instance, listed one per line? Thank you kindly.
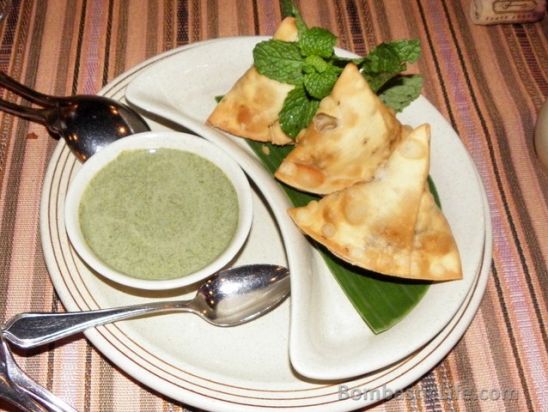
(229, 298)
(239, 295)
(86, 122)
(89, 123)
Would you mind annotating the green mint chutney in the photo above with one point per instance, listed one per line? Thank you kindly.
(159, 214)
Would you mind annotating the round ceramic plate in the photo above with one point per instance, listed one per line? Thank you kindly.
(248, 367)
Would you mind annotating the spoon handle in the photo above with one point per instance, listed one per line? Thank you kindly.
(27, 113)
(29, 330)
(26, 92)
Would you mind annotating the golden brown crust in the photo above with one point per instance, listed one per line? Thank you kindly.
(372, 224)
(435, 255)
(391, 224)
(287, 30)
(351, 135)
(251, 108)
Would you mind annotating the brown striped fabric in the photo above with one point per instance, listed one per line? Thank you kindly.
(488, 81)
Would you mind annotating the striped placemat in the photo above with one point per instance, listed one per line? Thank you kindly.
(488, 81)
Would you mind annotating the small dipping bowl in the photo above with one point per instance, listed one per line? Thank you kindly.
(151, 142)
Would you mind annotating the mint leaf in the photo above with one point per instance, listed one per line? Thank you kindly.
(408, 50)
(297, 111)
(317, 41)
(401, 91)
(315, 64)
(392, 56)
(378, 80)
(319, 85)
(383, 59)
(387, 60)
(279, 60)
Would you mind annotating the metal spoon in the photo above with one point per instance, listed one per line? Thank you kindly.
(86, 122)
(228, 298)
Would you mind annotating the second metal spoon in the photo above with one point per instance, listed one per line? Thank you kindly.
(228, 298)
(86, 122)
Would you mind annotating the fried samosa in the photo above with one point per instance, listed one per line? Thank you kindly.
(389, 224)
(251, 108)
(350, 136)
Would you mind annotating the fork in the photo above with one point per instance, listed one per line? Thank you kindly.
(19, 389)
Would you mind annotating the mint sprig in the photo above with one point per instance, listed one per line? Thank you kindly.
(305, 64)
(310, 64)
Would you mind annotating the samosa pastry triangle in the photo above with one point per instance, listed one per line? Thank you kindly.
(372, 224)
(250, 109)
(435, 255)
(352, 133)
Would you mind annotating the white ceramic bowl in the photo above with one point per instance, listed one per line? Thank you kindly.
(156, 140)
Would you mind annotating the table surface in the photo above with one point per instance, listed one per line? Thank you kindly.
(488, 81)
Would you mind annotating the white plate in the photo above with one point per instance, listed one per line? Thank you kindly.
(327, 335)
(244, 368)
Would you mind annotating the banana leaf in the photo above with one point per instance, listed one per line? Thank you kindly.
(381, 301)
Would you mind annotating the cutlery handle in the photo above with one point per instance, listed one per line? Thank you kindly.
(17, 397)
(26, 92)
(29, 330)
(28, 113)
(20, 398)
(41, 395)
(21, 389)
